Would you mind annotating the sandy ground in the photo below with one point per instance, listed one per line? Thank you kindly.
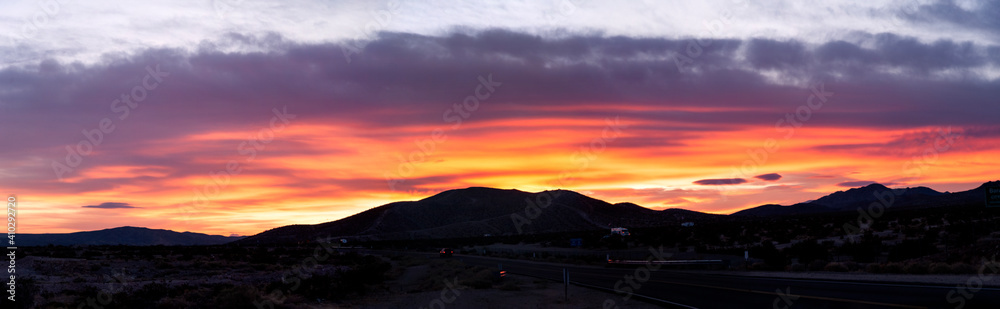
(532, 293)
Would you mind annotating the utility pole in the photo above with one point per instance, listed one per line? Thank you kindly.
(566, 285)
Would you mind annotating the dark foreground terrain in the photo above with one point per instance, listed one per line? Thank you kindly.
(321, 275)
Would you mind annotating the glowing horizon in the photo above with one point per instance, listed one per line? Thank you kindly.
(236, 121)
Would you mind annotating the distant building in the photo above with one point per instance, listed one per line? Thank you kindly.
(687, 224)
(621, 231)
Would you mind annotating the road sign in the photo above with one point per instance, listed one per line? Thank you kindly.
(993, 194)
(576, 242)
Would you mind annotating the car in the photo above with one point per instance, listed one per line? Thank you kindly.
(446, 252)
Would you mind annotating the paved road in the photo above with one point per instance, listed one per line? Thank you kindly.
(688, 290)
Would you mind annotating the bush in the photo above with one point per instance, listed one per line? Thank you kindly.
(962, 268)
(874, 268)
(235, 297)
(893, 268)
(797, 267)
(758, 266)
(482, 279)
(940, 268)
(916, 268)
(835, 266)
(509, 286)
(989, 268)
(851, 265)
(817, 265)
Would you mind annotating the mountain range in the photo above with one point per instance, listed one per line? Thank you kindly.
(478, 211)
(863, 197)
(126, 235)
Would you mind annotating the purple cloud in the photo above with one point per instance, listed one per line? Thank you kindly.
(721, 181)
(853, 184)
(110, 205)
(768, 177)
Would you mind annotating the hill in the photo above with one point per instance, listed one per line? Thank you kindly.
(126, 235)
(863, 197)
(478, 211)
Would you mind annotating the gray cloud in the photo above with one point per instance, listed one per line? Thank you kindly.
(722, 181)
(110, 205)
(982, 17)
(853, 184)
(768, 177)
(49, 103)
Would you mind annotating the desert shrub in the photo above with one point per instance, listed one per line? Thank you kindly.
(940, 268)
(962, 268)
(916, 268)
(817, 265)
(893, 268)
(989, 268)
(240, 296)
(835, 266)
(509, 286)
(26, 291)
(144, 297)
(482, 279)
(911, 249)
(797, 267)
(759, 266)
(874, 268)
(174, 302)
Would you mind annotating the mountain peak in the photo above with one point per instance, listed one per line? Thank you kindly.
(125, 235)
(875, 186)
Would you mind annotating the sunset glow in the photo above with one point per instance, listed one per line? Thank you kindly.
(258, 128)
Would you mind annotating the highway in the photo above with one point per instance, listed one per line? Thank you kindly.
(697, 290)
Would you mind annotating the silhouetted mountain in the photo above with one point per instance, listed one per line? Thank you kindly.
(126, 235)
(772, 210)
(477, 211)
(863, 197)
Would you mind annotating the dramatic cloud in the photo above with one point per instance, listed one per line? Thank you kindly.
(854, 184)
(211, 113)
(768, 177)
(716, 182)
(110, 205)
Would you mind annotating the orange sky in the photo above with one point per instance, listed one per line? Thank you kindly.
(263, 131)
(529, 155)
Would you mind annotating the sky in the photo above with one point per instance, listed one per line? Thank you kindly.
(234, 117)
